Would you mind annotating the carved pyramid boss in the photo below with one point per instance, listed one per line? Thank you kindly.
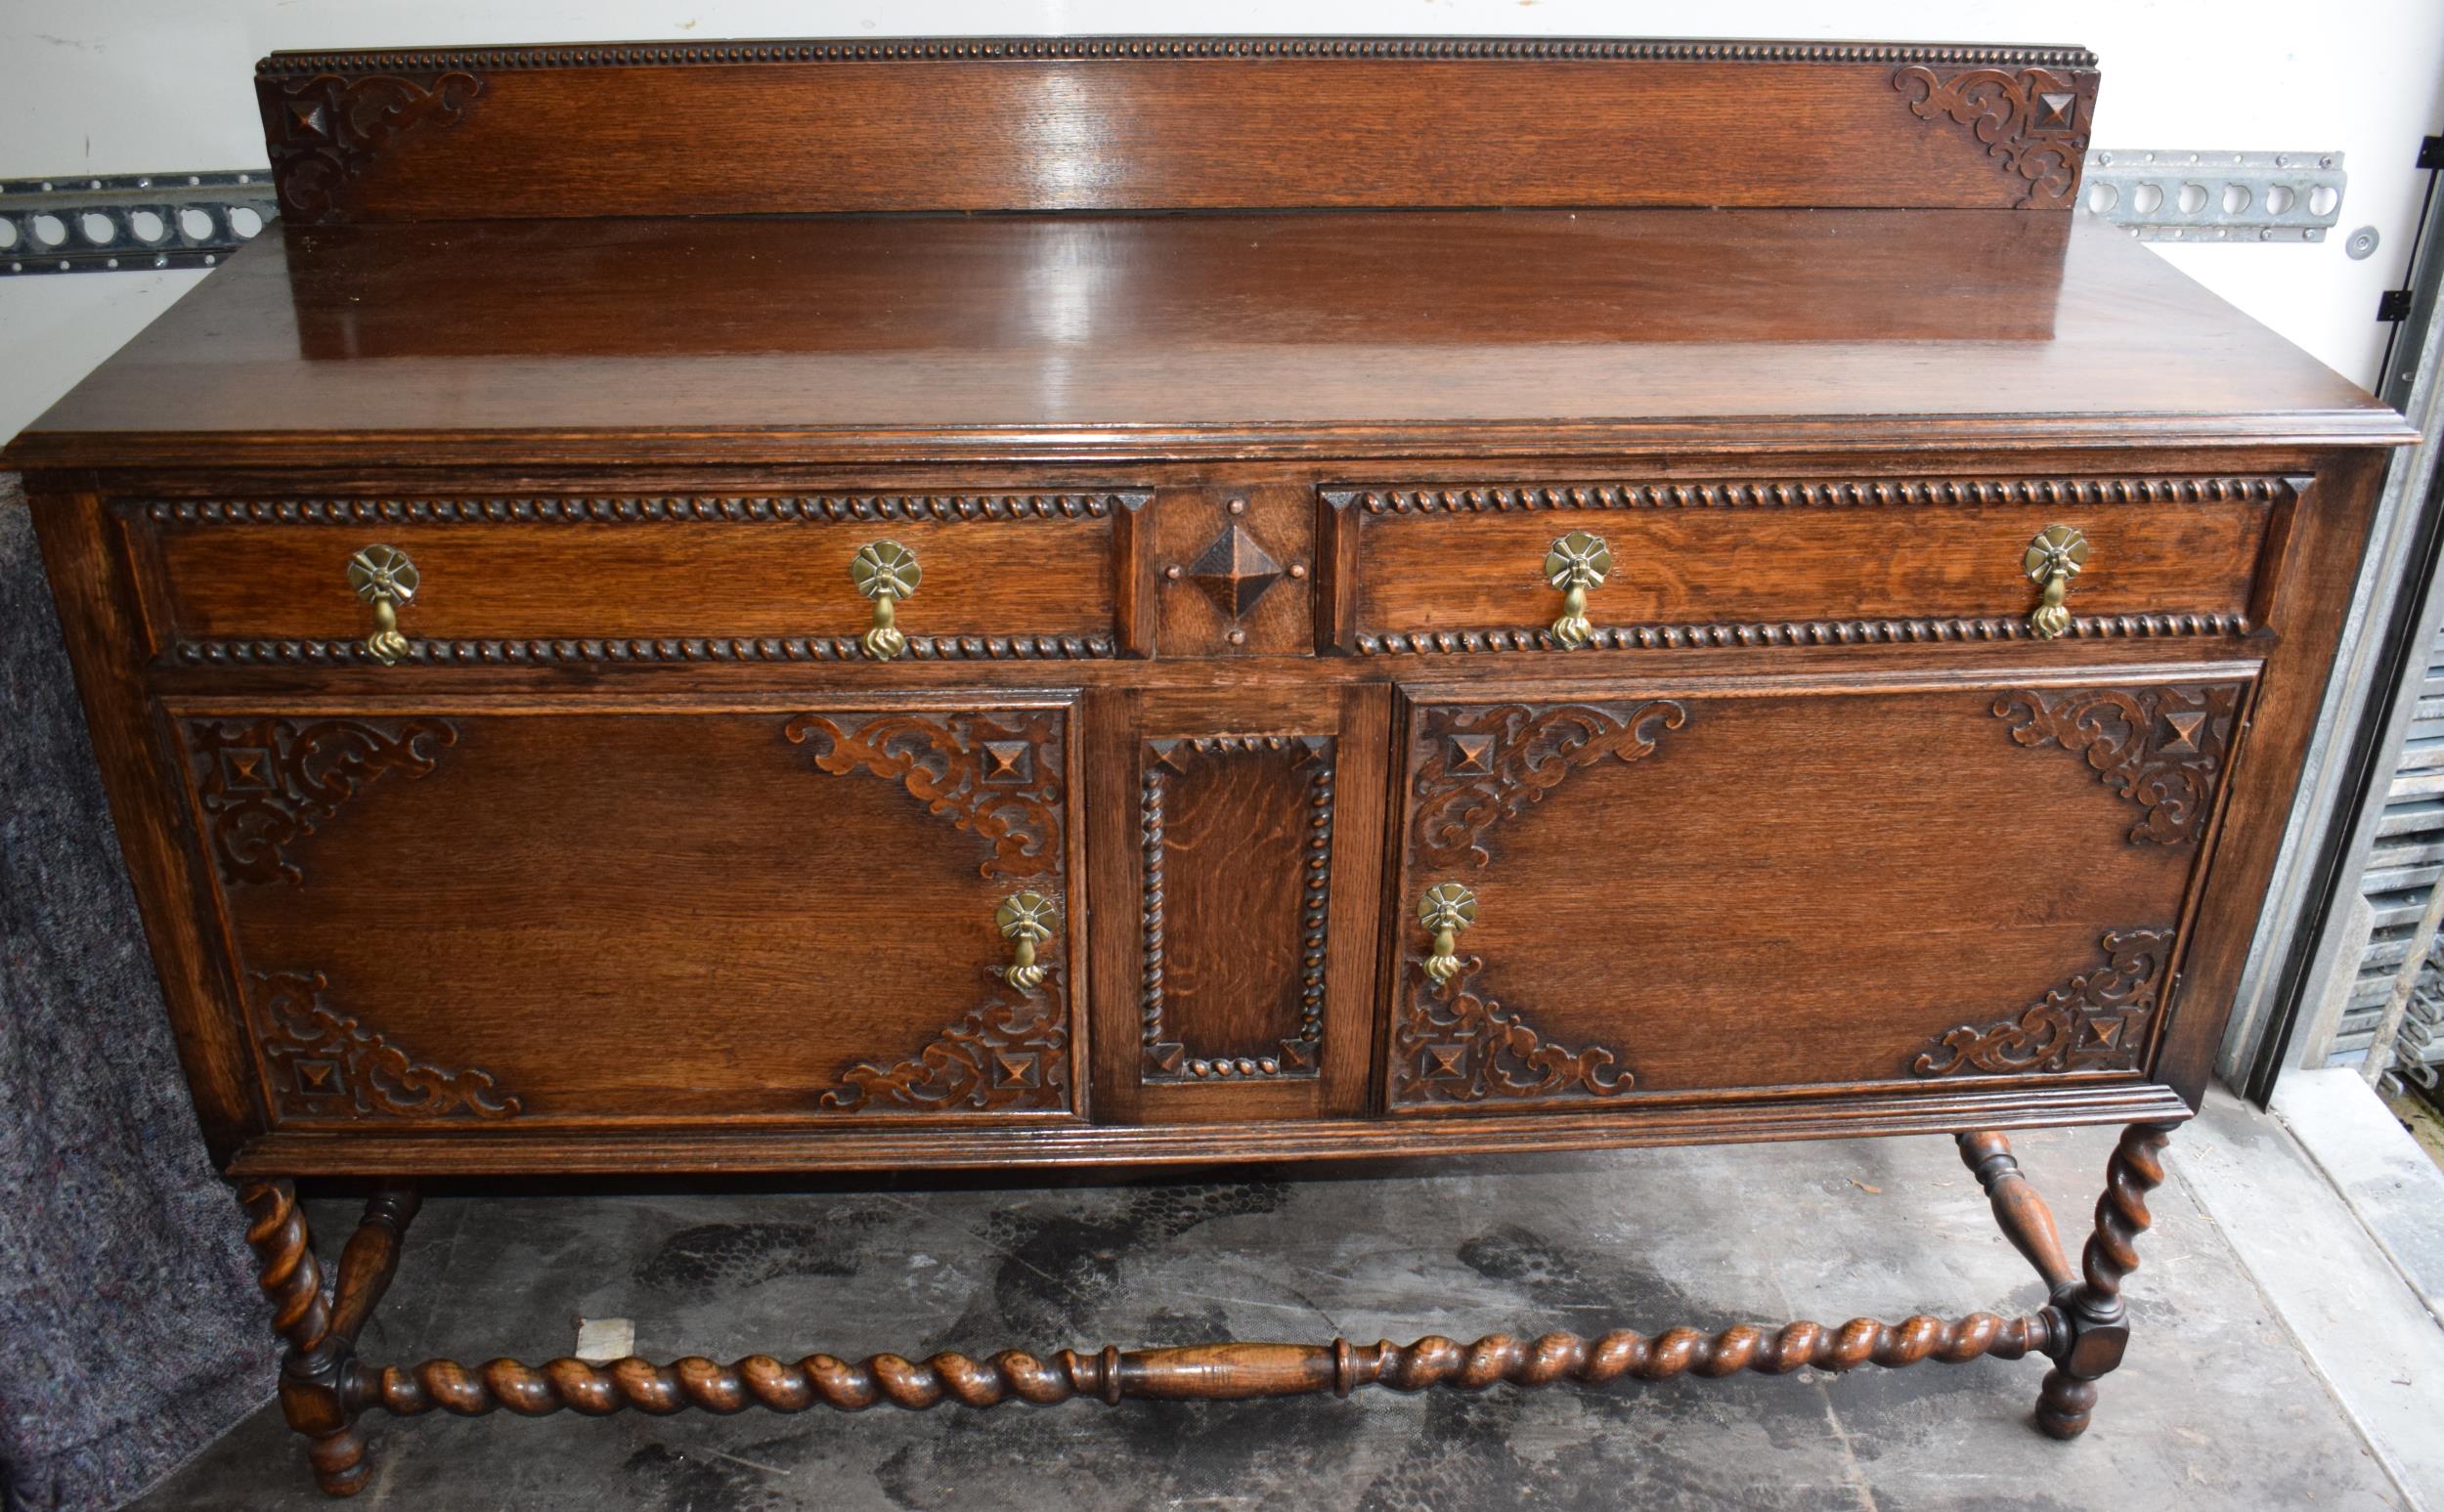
(1235, 572)
(1343, 619)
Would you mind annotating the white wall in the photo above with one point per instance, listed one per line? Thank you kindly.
(122, 86)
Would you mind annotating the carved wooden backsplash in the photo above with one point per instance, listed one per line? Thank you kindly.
(1287, 122)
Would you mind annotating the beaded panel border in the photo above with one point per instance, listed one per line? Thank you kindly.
(1167, 1060)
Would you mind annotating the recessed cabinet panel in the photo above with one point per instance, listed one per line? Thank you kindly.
(456, 915)
(1237, 836)
(1610, 896)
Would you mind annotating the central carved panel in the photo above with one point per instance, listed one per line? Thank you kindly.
(1237, 832)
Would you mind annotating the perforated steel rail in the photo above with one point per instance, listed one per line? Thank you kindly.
(2186, 194)
(131, 222)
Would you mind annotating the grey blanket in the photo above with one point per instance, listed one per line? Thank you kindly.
(131, 1330)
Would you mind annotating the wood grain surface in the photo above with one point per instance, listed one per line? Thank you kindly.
(801, 341)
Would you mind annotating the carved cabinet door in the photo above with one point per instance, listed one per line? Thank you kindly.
(587, 911)
(1612, 895)
(1257, 868)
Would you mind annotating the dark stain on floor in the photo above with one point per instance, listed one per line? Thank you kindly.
(717, 1258)
(1059, 1269)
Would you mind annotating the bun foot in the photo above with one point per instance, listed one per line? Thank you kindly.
(2064, 1405)
(339, 1464)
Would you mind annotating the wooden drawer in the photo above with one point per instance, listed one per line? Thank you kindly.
(641, 578)
(578, 911)
(1712, 891)
(1450, 567)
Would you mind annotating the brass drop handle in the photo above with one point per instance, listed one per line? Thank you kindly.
(1446, 909)
(384, 578)
(2053, 559)
(1577, 562)
(1027, 920)
(886, 572)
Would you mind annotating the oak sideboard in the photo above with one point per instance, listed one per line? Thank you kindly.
(810, 607)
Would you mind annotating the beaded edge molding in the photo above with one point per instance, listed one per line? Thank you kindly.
(1811, 633)
(675, 510)
(288, 65)
(1818, 493)
(548, 652)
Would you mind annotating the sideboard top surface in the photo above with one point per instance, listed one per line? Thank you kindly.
(779, 339)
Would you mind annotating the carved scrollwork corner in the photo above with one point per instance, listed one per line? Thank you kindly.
(2096, 1021)
(1453, 1044)
(2033, 121)
(327, 130)
(1008, 1055)
(263, 784)
(2161, 748)
(326, 1063)
(997, 777)
(1475, 766)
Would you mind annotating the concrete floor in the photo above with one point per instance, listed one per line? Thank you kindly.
(2218, 1406)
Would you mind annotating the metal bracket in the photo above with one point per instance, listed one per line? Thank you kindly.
(2217, 197)
(2397, 305)
(131, 223)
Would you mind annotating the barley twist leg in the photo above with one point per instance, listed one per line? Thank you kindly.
(2092, 1311)
(318, 1371)
(293, 1279)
